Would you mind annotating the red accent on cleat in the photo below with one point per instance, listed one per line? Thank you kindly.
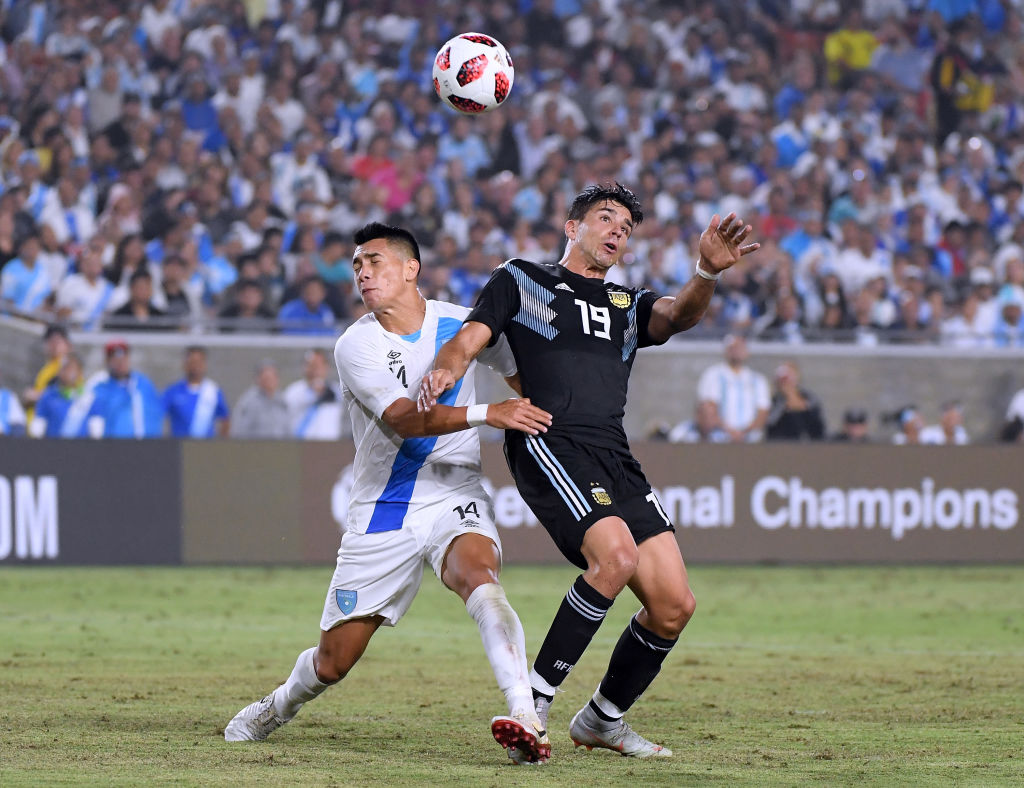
(509, 733)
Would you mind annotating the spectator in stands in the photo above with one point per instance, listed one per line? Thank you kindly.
(1013, 426)
(910, 424)
(195, 405)
(25, 281)
(84, 298)
(702, 428)
(248, 310)
(1008, 330)
(314, 401)
(795, 412)
(125, 403)
(139, 312)
(178, 295)
(855, 427)
(62, 410)
(12, 416)
(56, 346)
(739, 394)
(950, 429)
(261, 411)
(307, 314)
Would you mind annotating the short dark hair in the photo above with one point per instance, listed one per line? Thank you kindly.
(390, 233)
(195, 349)
(598, 193)
(139, 275)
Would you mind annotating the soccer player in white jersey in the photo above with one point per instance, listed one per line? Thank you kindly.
(416, 496)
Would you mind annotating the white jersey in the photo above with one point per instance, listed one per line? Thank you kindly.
(376, 367)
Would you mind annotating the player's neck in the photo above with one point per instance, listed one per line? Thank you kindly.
(579, 263)
(403, 317)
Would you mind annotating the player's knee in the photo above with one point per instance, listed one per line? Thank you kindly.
(675, 614)
(331, 666)
(464, 583)
(619, 562)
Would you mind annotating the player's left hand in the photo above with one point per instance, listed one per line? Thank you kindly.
(433, 385)
(721, 244)
(518, 414)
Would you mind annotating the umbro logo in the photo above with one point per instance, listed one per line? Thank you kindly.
(397, 367)
(564, 286)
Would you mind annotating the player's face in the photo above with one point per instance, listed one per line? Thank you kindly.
(383, 275)
(602, 233)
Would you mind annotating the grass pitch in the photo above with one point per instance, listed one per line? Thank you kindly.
(877, 676)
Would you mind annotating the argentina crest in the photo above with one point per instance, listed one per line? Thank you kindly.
(621, 300)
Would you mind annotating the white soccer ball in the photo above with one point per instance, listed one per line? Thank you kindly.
(473, 73)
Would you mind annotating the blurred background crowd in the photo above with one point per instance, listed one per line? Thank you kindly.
(168, 162)
(200, 166)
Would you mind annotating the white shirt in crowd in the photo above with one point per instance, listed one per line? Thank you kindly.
(312, 420)
(739, 394)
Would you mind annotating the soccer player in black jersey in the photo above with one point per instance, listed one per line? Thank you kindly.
(574, 337)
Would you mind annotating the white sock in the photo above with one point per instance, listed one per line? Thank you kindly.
(504, 643)
(606, 705)
(539, 683)
(301, 686)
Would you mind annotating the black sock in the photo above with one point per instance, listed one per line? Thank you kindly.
(635, 662)
(576, 621)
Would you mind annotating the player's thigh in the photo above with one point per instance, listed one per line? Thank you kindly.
(662, 586)
(376, 575)
(463, 546)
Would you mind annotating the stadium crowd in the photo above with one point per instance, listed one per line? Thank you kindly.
(175, 165)
(170, 161)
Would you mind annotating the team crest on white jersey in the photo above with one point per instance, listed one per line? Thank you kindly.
(621, 300)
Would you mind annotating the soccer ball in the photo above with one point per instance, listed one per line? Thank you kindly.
(473, 73)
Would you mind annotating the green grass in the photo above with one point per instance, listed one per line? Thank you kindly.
(908, 676)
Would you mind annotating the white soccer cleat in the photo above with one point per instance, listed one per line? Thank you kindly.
(255, 722)
(543, 706)
(618, 737)
(523, 736)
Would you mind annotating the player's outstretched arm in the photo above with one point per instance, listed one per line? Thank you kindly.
(406, 419)
(721, 247)
(453, 359)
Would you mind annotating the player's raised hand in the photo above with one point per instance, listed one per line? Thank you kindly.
(433, 385)
(721, 243)
(518, 414)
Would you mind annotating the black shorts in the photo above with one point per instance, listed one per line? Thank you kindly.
(570, 486)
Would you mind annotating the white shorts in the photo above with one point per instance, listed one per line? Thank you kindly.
(379, 574)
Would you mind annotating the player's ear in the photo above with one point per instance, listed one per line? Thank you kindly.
(570, 229)
(413, 268)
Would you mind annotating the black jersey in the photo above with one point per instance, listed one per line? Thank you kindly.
(574, 340)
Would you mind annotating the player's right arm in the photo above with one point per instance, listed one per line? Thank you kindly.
(452, 362)
(496, 305)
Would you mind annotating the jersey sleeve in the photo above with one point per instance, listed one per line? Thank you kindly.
(497, 303)
(645, 301)
(363, 370)
(499, 358)
(222, 410)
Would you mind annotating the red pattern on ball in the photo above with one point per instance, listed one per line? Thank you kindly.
(444, 58)
(465, 104)
(501, 87)
(437, 86)
(471, 70)
(478, 38)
